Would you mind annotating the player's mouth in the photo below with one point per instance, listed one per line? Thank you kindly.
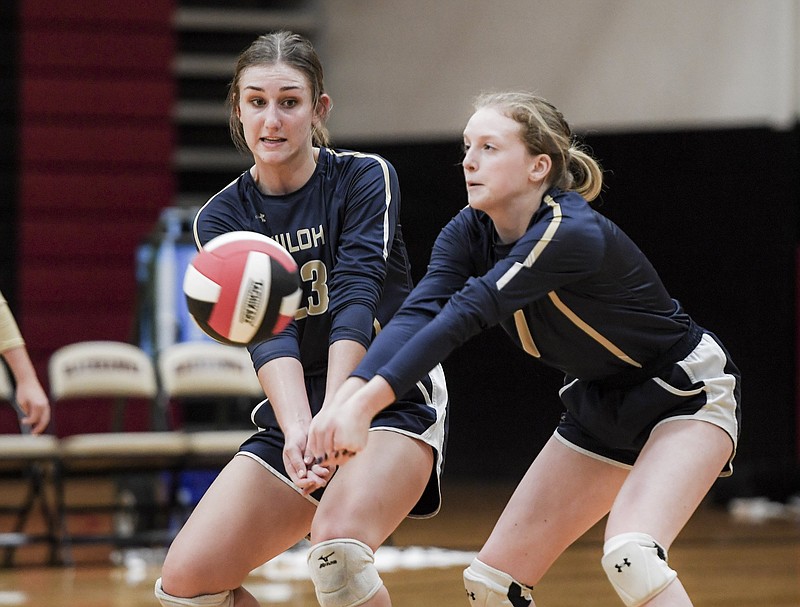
(272, 140)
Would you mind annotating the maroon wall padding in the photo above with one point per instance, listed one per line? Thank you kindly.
(97, 96)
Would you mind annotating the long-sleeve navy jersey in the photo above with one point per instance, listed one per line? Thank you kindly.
(342, 228)
(574, 291)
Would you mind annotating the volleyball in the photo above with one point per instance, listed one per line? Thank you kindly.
(242, 287)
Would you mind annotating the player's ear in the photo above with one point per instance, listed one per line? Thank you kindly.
(540, 167)
(324, 107)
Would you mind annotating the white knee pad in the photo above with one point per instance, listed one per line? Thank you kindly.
(220, 599)
(490, 587)
(637, 567)
(343, 572)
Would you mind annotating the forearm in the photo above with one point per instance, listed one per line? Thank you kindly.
(284, 385)
(29, 393)
(20, 364)
(343, 356)
(341, 429)
(372, 398)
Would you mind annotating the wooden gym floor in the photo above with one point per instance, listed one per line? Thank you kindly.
(721, 559)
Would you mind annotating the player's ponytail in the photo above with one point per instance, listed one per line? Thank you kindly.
(546, 131)
(587, 176)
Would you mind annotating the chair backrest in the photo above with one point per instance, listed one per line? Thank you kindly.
(204, 368)
(101, 368)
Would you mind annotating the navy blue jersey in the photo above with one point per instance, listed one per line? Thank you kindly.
(342, 228)
(574, 291)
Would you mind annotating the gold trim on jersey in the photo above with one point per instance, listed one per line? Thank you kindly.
(525, 337)
(521, 324)
(590, 331)
(387, 190)
(540, 245)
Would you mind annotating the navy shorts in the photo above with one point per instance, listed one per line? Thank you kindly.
(613, 423)
(421, 414)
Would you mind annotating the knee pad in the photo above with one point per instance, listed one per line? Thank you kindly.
(220, 599)
(343, 572)
(490, 587)
(636, 565)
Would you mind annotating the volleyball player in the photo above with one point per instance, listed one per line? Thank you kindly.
(337, 213)
(651, 398)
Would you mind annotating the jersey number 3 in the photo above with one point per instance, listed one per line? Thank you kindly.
(316, 273)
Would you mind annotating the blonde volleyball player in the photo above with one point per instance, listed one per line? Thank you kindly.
(652, 399)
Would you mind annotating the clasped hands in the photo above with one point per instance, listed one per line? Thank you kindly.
(337, 433)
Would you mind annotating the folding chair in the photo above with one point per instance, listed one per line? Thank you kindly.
(204, 373)
(30, 459)
(112, 375)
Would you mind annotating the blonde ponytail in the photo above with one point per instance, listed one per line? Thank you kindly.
(587, 176)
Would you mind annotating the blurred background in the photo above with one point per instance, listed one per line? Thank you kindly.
(113, 130)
